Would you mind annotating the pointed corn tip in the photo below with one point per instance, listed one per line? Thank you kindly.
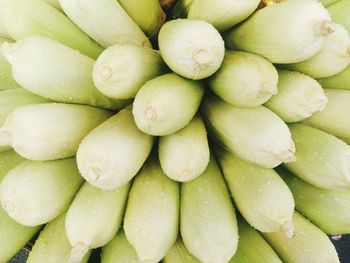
(288, 229)
(105, 73)
(93, 173)
(5, 138)
(287, 156)
(185, 175)
(268, 89)
(151, 113)
(78, 252)
(324, 27)
(321, 103)
(202, 56)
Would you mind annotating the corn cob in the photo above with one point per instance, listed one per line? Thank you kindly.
(49, 131)
(38, 18)
(52, 245)
(261, 196)
(166, 104)
(49, 69)
(207, 218)
(256, 134)
(334, 119)
(34, 193)
(150, 23)
(179, 254)
(321, 159)
(333, 58)
(309, 244)
(119, 250)
(244, 79)
(193, 49)
(184, 155)
(252, 248)
(121, 70)
(112, 154)
(113, 27)
(93, 219)
(299, 96)
(305, 21)
(328, 209)
(152, 213)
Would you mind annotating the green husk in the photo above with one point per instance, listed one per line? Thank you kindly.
(152, 214)
(261, 196)
(119, 250)
(34, 193)
(223, 14)
(256, 134)
(244, 79)
(12, 99)
(299, 96)
(54, 71)
(184, 155)
(6, 79)
(156, 108)
(150, 23)
(105, 21)
(339, 12)
(335, 118)
(321, 159)
(52, 245)
(49, 131)
(94, 217)
(297, 31)
(252, 248)
(179, 254)
(193, 49)
(121, 70)
(207, 218)
(38, 18)
(333, 58)
(328, 209)
(13, 236)
(309, 244)
(112, 154)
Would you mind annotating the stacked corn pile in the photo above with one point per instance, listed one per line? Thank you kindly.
(228, 144)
